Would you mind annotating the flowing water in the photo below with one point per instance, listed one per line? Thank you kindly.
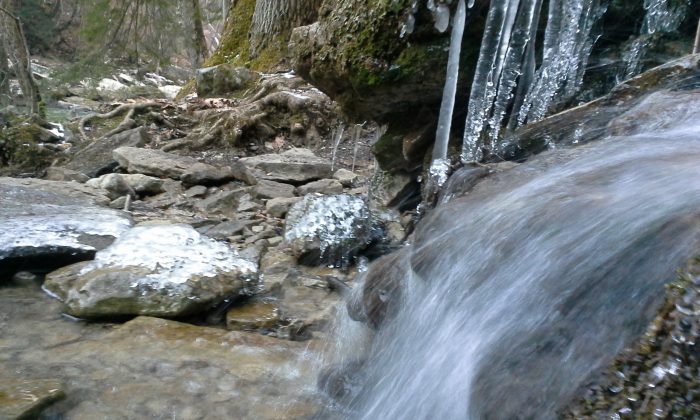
(519, 291)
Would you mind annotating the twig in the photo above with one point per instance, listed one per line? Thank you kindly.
(696, 47)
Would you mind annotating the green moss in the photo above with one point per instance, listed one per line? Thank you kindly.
(19, 148)
(389, 152)
(234, 43)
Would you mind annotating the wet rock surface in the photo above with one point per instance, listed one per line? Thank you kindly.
(181, 273)
(42, 229)
(656, 377)
(153, 368)
(25, 399)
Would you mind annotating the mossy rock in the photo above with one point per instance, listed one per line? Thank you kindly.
(22, 146)
(356, 53)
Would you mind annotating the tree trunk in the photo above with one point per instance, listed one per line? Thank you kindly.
(16, 49)
(277, 17)
(225, 6)
(199, 41)
(4, 74)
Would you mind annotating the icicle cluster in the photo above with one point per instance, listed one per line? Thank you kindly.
(661, 17)
(505, 76)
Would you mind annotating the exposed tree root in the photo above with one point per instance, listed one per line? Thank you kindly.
(127, 123)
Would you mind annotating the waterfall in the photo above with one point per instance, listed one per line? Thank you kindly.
(516, 293)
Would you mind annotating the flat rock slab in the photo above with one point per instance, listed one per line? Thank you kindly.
(25, 399)
(79, 193)
(296, 166)
(96, 158)
(161, 270)
(153, 162)
(42, 229)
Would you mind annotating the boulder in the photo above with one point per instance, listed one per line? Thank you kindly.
(223, 79)
(26, 399)
(96, 158)
(294, 166)
(42, 230)
(56, 173)
(278, 207)
(153, 162)
(160, 270)
(327, 229)
(144, 184)
(223, 202)
(225, 229)
(322, 186)
(205, 174)
(345, 177)
(380, 62)
(113, 184)
(271, 189)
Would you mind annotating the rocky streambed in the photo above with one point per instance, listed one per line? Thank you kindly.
(142, 283)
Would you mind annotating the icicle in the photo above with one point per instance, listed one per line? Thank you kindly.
(440, 164)
(524, 31)
(567, 45)
(449, 91)
(356, 141)
(661, 17)
(485, 78)
(337, 136)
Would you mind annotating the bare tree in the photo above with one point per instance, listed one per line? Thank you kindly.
(277, 18)
(15, 46)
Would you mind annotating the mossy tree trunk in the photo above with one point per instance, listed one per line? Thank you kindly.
(15, 45)
(199, 42)
(273, 18)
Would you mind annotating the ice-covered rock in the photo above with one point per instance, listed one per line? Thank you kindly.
(44, 229)
(328, 229)
(160, 270)
(170, 91)
(110, 85)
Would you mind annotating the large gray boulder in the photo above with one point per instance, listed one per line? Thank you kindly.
(327, 229)
(223, 79)
(42, 230)
(159, 270)
(96, 158)
(295, 166)
(153, 162)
